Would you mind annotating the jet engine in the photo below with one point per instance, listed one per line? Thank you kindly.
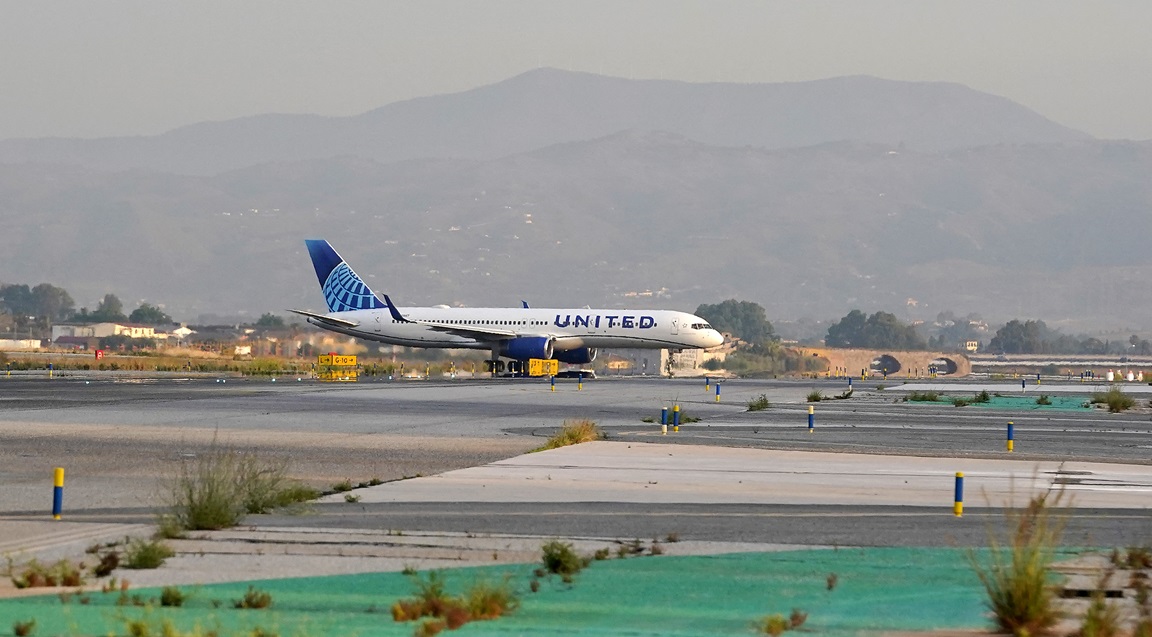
(526, 347)
(578, 356)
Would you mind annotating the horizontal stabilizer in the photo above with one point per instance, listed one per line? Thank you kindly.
(326, 320)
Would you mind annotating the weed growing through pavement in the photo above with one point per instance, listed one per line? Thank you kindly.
(922, 397)
(108, 563)
(1102, 619)
(1115, 398)
(33, 574)
(759, 403)
(142, 554)
(219, 487)
(572, 433)
(23, 629)
(1017, 569)
(815, 396)
(1043, 400)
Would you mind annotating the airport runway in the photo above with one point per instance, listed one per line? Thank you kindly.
(119, 439)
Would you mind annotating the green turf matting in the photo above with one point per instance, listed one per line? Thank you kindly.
(876, 590)
(1024, 402)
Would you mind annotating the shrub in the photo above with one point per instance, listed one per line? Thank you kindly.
(219, 487)
(574, 432)
(982, 397)
(845, 395)
(485, 600)
(815, 396)
(343, 486)
(561, 559)
(171, 596)
(108, 563)
(168, 527)
(1043, 400)
(759, 403)
(961, 402)
(1101, 619)
(1115, 398)
(254, 598)
(23, 629)
(773, 625)
(1016, 572)
(37, 575)
(923, 396)
(797, 618)
(1138, 557)
(141, 554)
(351, 498)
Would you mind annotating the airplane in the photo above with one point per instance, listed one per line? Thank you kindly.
(569, 335)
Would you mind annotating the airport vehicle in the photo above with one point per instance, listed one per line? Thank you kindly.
(569, 335)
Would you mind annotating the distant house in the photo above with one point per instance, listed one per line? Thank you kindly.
(101, 330)
(19, 344)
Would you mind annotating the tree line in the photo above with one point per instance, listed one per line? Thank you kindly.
(882, 330)
(47, 304)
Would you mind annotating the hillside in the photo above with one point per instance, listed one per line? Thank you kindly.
(1053, 230)
(548, 106)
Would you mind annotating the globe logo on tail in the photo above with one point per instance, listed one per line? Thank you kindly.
(345, 291)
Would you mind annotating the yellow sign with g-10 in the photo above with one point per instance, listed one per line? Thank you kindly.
(336, 360)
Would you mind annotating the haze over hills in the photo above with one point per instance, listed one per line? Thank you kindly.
(549, 106)
(995, 210)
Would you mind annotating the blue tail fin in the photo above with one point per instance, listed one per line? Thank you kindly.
(343, 289)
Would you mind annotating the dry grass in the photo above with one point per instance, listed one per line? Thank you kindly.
(1115, 398)
(33, 574)
(146, 554)
(253, 598)
(219, 487)
(573, 432)
(1017, 575)
(431, 603)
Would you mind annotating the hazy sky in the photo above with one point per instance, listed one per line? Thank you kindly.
(84, 68)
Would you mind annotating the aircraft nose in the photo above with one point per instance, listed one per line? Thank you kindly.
(713, 339)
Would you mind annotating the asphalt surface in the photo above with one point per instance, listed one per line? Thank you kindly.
(120, 438)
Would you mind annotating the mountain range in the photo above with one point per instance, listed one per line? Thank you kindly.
(567, 188)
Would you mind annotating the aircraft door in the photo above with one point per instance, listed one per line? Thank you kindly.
(378, 323)
(675, 326)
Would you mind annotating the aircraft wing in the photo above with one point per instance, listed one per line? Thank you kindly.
(327, 320)
(468, 331)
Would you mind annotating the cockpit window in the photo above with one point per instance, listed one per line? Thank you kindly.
(701, 326)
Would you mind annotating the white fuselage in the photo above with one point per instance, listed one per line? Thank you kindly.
(571, 328)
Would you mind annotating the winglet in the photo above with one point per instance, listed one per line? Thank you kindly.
(525, 303)
(392, 309)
